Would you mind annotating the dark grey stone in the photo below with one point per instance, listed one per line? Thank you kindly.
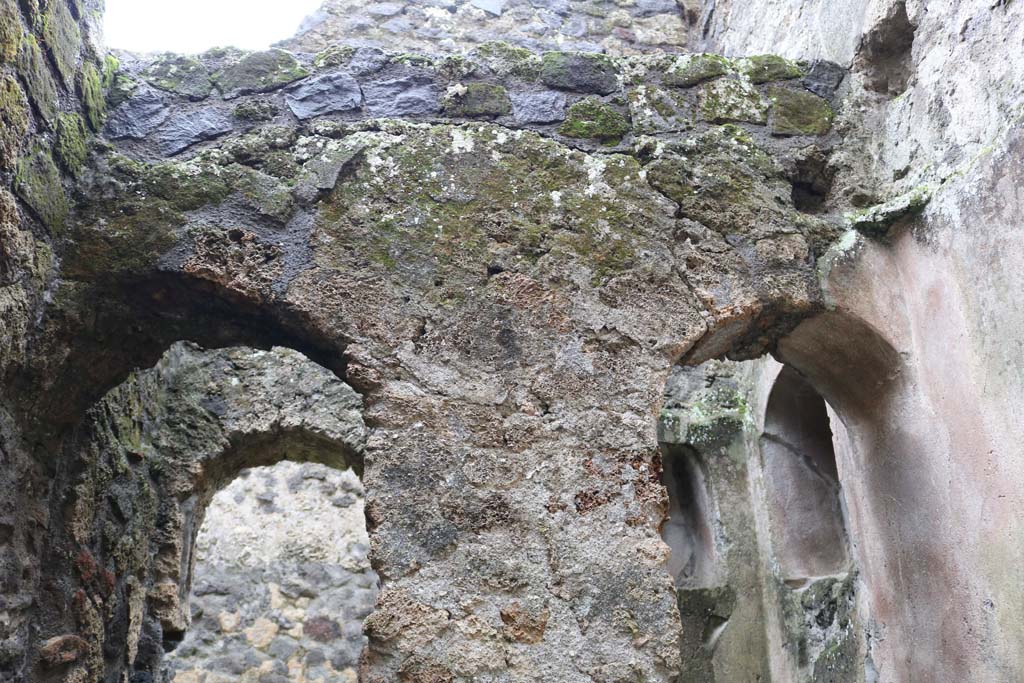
(823, 78)
(325, 94)
(139, 116)
(367, 60)
(411, 95)
(579, 71)
(547, 106)
(184, 129)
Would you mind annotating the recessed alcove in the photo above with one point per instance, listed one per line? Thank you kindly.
(688, 529)
(803, 494)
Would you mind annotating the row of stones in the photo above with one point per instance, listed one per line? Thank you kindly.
(583, 96)
(621, 26)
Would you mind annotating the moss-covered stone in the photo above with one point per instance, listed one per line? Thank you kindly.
(592, 118)
(13, 121)
(10, 32)
(72, 146)
(42, 91)
(259, 72)
(764, 68)
(798, 112)
(877, 220)
(579, 71)
(732, 100)
(507, 60)
(38, 182)
(335, 55)
(255, 110)
(474, 192)
(180, 74)
(478, 99)
(184, 186)
(62, 39)
(657, 110)
(689, 70)
(93, 102)
(266, 194)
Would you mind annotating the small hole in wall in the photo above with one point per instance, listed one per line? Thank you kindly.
(885, 56)
(282, 579)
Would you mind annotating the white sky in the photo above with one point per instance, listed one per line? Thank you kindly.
(191, 26)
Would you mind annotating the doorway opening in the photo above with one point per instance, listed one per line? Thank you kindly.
(282, 580)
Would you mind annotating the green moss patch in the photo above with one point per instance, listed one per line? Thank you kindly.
(259, 72)
(93, 102)
(38, 182)
(10, 32)
(592, 118)
(179, 74)
(478, 100)
(13, 121)
(42, 90)
(72, 147)
(63, 39)
(689, 70)
(765, 68)
(798, 112)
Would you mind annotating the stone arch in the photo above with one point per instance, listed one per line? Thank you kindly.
(134, 489)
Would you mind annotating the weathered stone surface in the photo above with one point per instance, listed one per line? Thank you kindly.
(72, 144)
(139, 116)
(823, 78)
(412, 95)
(181, 130)
(182, 75)
(327, 94)
(546, 106)
(259, 72)
(877, 220)
(765, 68)
(477, 100)
(13, 121)
(581, 72)
(690, 70)
(63, 40)
(592, 118)
(796, 112)
(39, 83)
(38, 182)
(732, 100)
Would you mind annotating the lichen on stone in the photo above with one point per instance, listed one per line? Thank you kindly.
(877, 220)
(180, 74)
(798, 112)
(478, 100)
(255, 110)
(732, 100)
(689, 70)
(507, 60)
(593, 118)
(656, 110)
(259, 72)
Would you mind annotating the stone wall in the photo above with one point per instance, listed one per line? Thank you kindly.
(282, 579)
(454, 26)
